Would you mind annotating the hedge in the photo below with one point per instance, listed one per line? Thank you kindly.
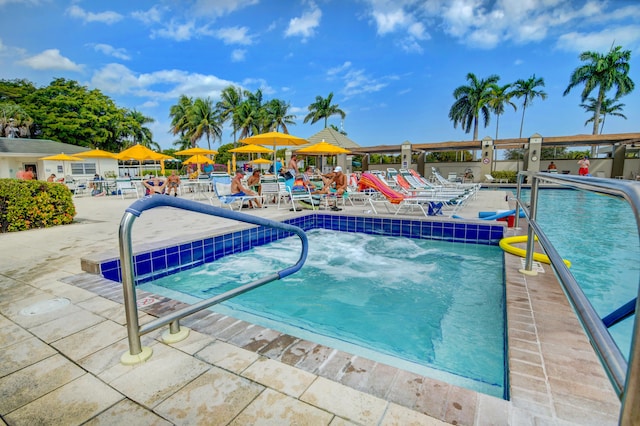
(29, 204)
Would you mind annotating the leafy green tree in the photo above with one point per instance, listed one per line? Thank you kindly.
(603, 72)
(471, 102)
(14, 121)
(67, 112)
(608, 107)
(500, 96)
(322, 108)
(277, 115)
(527, 89)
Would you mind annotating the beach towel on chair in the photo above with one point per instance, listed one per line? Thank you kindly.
(435, 208)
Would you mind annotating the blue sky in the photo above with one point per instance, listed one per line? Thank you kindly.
(392, 65)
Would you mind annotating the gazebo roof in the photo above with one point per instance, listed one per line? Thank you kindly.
(332, 136)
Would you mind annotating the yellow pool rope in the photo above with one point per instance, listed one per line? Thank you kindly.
(505, 244)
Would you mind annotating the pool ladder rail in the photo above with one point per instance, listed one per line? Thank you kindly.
(137, 353)
(624, 376)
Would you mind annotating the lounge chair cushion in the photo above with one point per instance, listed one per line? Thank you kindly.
(223, 188)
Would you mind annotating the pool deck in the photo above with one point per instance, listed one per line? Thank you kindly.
(63, 367)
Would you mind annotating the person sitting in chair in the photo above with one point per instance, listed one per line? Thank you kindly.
(238, 190)
(173, 182)
(337, 186)
(154, 186)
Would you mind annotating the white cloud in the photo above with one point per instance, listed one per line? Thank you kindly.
(238, 55)
(390, 17)
(356, 81)
(175, 31)
(305, 25)
(112, 51)
(151, 16)
(388, 22)
(104, 17)
(258, 83)
(159, 85)
(51, 59)
(601, 41)
(217, 8)
(234, 35)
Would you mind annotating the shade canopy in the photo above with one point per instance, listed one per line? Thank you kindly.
(96, 153)
(323, 148)
(199, 159)
(61, 157)
(196, 151)
(260, 161)
(252, 149)
(275, 139)
(138, 152)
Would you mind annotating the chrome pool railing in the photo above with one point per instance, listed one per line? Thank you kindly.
(625, 377)
(137, 353)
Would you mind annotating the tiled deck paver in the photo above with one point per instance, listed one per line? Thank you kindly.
(42, 264)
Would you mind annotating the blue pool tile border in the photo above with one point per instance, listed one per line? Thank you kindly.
(158, 263)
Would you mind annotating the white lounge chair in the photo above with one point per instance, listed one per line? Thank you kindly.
(124, 187)
(222, 191)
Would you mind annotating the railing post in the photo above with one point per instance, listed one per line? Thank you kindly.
(533, 210)
(136, 353)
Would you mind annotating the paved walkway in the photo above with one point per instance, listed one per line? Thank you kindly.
(63, 367)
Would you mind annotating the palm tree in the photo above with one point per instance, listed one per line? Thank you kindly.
(230, 100)
(277, 115)
(204, 120)
(471, 101)
(500, 96)
(180, 116)
(604, 72)
(608, 107)
(248, 120)
(527, 89)
(322, 108)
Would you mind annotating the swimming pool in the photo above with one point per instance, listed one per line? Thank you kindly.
(405, 302)
(600, 238)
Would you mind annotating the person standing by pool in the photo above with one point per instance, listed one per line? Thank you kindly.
(293, 165)
(584, 166)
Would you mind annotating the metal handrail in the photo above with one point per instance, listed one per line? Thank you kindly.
(625, 377)
(134, 330)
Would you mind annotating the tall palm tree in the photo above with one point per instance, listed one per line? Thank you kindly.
(322, 108)
(179, 114)
(204, 121)
(277, 115)
(527, 89)
(608, 107)
(249, 120)
(230, 100)
(500, 96)
(604, 72)
(471, 102)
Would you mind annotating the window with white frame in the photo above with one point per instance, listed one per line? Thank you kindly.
(78, 168)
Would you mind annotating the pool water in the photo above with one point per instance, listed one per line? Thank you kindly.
(431, 307)
(599, 236)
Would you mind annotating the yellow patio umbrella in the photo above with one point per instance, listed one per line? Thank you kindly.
(260, 161)
(97, 153)
(323, 148)
(199, 159)
(196, 151)
(139, 153)
(275, 139)
(252, 149)
(63, 158)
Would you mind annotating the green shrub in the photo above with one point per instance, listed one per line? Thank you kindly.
(29, 204)
(505, 174)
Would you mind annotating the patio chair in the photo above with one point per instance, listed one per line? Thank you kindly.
(222, 191)
(294, 194)
(124, 187)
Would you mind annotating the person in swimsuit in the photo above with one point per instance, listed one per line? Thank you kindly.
(584, 166)
(337, 186)
(238, 190)
(173, 182)
(154, 186)
(254, 181)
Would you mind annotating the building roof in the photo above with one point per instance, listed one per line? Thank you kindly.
(547, 141)
(332, 136)
(22, 147)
